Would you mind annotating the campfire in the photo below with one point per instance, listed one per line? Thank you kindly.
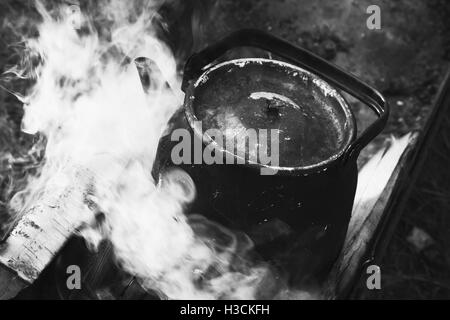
(108, 91)
(102, 131)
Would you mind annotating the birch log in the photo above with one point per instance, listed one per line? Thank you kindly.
(41, 231)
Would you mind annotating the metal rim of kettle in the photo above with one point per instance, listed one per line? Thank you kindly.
(321, 84)
(200, 62)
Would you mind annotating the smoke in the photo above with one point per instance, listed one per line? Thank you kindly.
(102, 130)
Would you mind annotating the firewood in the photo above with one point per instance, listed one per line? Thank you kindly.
(40, 232)
(375, 185)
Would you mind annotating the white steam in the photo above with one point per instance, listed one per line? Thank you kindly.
(89, 104)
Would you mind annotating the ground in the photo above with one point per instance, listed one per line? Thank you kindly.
(406, 60)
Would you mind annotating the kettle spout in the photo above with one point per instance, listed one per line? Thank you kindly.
(144, 67)
(151, 75)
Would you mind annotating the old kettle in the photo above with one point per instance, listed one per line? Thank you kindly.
(298, 217)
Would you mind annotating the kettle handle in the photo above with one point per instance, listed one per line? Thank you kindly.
(200, 61)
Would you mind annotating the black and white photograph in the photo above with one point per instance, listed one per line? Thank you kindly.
(224, 154)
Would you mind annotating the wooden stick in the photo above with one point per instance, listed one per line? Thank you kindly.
(375, 186)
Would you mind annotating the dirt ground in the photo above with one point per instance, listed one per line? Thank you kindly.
(406, 60)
